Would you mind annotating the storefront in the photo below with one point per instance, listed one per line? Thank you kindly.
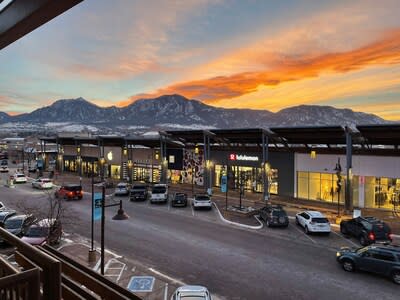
(375, 180)
(245, 169)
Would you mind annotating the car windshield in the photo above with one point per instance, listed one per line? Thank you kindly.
(121, 185)
(139, 187)
(179, 197)
(37, 231)
(361, 250)
(73, 188)
(159, 189)
(320, 220)
(46, 180)
(381, 227)
(279, 213)
(13, 223)
(20, 175)
(202, 198)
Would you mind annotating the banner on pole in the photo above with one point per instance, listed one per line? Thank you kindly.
(97, 198)
(224, 183)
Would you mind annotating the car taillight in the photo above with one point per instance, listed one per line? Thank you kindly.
(371, 236)
(70, 193)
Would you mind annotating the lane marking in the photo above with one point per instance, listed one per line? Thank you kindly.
(302, 232)
(166, 276)
(346, 239)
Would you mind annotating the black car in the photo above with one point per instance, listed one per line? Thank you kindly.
(379, 259)
(138, 192)
(367, 230)
(180, 199)
(5, 214)
(274, 215)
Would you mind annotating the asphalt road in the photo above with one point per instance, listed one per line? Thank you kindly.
(195, 247)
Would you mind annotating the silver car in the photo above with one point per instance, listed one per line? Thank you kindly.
(122, 189)
(197, 292)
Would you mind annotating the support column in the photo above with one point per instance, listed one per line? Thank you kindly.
(349, 174)
(265, 166)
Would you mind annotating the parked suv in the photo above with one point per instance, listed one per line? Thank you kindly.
(313, 221)
(274, 215)
(69, 191)
(180, 199)
(138, 192)
(379, 259)
(202, 201)
(159, 193)
(367, 230)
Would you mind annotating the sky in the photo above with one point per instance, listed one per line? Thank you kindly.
(235, 54)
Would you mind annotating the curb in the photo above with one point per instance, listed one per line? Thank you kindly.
(238, 224)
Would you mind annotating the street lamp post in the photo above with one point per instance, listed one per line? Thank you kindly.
(338, 169)
(121, 215)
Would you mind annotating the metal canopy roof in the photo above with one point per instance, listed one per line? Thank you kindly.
(21, 17)
(384, 134)
(187, 136)
(311, 135)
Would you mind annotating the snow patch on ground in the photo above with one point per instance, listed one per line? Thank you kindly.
(193, 126)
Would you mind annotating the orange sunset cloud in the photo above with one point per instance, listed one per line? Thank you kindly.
(385, 51)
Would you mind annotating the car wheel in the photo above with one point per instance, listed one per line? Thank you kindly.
(348, 265)
(396, 277)
(306, 230)
(363, 241)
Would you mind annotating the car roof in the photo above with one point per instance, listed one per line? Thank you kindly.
(315, 214)
(19, 217)
(192, 288)
(46, 222)
(371, 220)
(392, 248)
(6, 212)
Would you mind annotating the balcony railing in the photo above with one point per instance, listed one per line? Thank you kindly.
(44, 273)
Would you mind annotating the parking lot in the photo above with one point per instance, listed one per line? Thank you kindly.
(198, 247)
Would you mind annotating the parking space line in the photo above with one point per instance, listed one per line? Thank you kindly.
(346, 239)
(191, 206)
(294, 226)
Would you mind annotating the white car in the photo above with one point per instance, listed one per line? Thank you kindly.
(159, 193)
(122, 189)
(191, 292)
(4, 169)
(42, 183)
(313, 221)
(202, 201)
(19, 178)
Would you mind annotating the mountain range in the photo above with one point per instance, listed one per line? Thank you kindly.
(175, 111)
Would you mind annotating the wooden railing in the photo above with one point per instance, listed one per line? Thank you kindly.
(44, 273)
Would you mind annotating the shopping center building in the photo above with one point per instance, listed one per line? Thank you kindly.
(358, 167)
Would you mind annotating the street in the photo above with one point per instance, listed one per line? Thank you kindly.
(196, 247)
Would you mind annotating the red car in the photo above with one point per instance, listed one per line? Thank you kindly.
(69, 192)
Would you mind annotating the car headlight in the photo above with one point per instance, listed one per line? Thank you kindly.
(338, 254)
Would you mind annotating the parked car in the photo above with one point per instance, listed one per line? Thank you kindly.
(202, 201)
(191, 292)
(5, 214)
(159, 193)
(42, 183)
(2, 206)
(4, 169)
(19, 224)
(313, 221)
(380, 259)
(367, 230)
(19, 178)
(179, 199)
(122, 189)
(69, 192)
(32, 169)
(138, 192)
(45, 231)
(274, 215)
